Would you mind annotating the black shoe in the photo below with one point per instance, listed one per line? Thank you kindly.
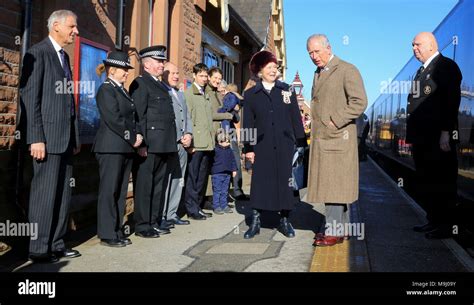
(286, 228)
(113, 242)
(238, 194)
(69, 253)
(166, 225)
(148, 234)
(254, 226)
(439, 234)
(161, 231)
(43, 258)
(425, 228)
(205, 214)
(197, 217)
(126, 241)
(179, 222)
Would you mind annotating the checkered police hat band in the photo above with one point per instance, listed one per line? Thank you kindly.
(116, 62)
(154, 53)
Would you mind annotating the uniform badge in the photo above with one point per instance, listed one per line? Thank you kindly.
(286, 96)
(427, 90)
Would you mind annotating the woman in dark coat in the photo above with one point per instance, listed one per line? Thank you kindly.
(272, 109)
(114, 147)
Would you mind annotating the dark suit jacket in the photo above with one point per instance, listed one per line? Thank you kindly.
(436, 108)
(45, 113)
(155, 114)
(118, 120)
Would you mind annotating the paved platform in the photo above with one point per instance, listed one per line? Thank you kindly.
(390, 244)
(217, 244)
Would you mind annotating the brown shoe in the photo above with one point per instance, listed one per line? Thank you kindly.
(328, 241)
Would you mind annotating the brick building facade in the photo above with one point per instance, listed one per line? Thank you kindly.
(191, 29)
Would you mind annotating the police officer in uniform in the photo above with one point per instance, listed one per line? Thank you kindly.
(157, 121)
(114, 146)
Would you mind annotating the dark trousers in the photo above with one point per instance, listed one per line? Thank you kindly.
(50, 197)
(196, 178)
(150, 188)
(114, 171)
(436, 173)
(237, 180)
(220, 190)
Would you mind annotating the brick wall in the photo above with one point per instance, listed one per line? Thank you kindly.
(192, 21)
(10, 25)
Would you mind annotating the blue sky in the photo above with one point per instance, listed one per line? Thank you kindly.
(374, 35)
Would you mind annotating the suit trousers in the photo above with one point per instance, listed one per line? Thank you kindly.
(150, 188)
(196, 178)
(336, 214)
(50, 197)
(174, 190)
(237, 180)
(436, 182)
(114, 171)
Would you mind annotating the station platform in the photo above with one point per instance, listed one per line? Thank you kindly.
(217, 245)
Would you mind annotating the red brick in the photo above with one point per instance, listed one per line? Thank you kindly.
(11, 56)
(8, 80)
(8, 94)
(7, 119)
(7, 130)
(5, 68)
(4, 143)
(7, 108)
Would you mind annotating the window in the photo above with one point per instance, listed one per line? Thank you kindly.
(211, 58)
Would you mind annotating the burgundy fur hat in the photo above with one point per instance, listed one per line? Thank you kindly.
(260, 60)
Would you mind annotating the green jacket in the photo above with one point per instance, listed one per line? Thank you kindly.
(200, 110)
(216, 104)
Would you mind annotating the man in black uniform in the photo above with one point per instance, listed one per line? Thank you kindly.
(157, 122)
(432, 129)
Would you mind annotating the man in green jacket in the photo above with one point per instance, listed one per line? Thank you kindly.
(199, 107)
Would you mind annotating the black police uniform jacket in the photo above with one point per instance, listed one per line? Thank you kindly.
(155, 114)
(118, 127)
(279, 129)
(435, 107)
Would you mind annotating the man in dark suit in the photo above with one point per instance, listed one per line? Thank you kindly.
(432, 129)
(48, 111)
(157, 122)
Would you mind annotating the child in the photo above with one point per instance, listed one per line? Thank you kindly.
(230, 103)
(222, 168)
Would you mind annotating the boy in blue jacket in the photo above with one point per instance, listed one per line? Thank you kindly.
(222, 168)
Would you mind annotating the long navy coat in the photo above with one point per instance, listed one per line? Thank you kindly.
(279, 130)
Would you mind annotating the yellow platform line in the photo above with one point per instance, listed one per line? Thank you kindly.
(331, 259)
